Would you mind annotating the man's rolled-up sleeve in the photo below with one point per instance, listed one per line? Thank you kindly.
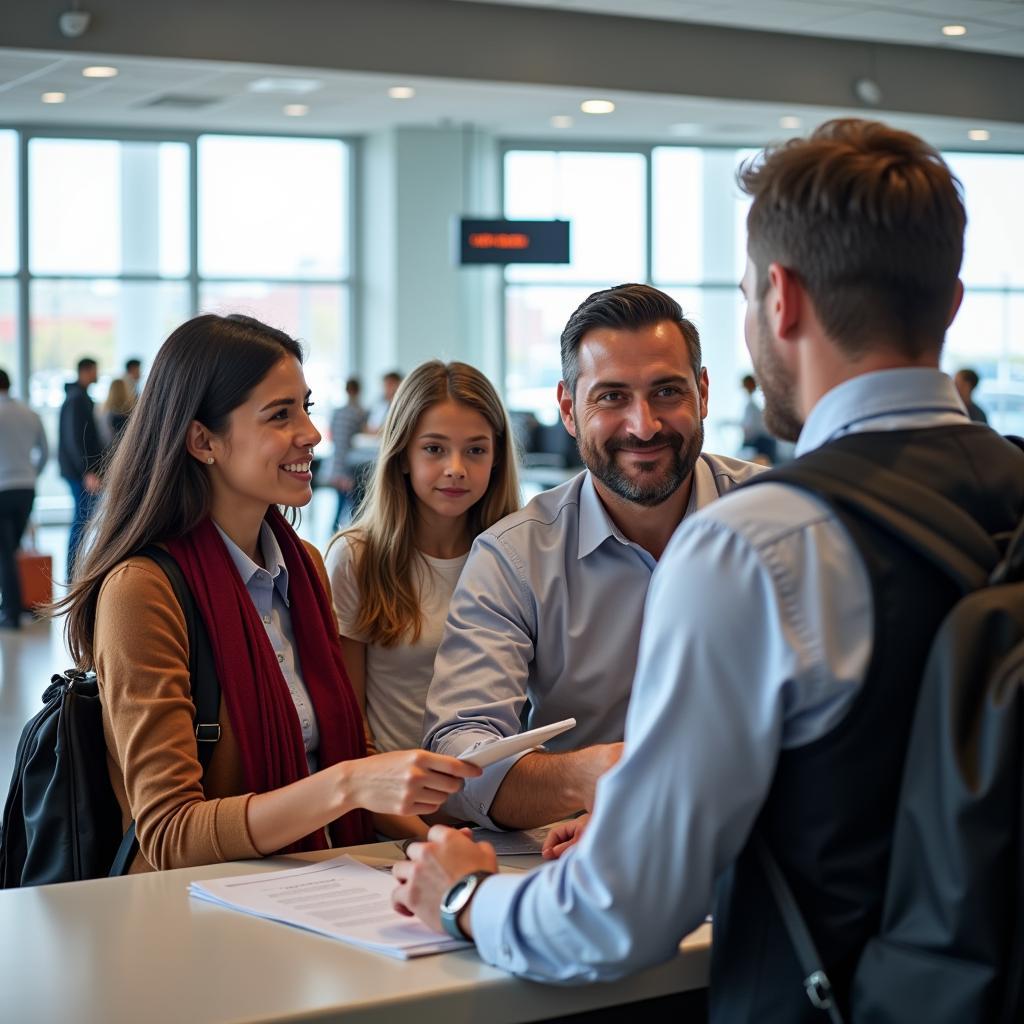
(482, 669)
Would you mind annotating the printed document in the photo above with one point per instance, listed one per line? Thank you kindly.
(341, 898)
(513, 844)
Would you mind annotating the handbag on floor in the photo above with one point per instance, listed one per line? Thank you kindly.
(35, 575)
(62, 822)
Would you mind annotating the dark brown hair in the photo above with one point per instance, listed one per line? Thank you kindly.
(872, 221)
(624, 307)
(153, 490)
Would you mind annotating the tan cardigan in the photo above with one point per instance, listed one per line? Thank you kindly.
(141, 646)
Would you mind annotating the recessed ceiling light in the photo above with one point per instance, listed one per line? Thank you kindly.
(99, 71)
(401, 92)
(954, 30)
(296, 109)
(561, 121)
(789, 121)
(597, 106)
(979, 135)
(53, 97)
(296, 86)
(868, 91)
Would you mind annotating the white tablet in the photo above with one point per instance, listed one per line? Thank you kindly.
(491, 753)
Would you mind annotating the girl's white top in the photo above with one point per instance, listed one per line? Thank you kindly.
(397, 678)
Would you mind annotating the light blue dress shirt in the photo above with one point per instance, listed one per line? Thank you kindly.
(548, 608)
(774, 646)
(268, 589)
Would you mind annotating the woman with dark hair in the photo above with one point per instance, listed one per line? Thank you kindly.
(219, 439)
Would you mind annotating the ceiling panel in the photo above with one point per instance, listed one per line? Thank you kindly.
(917, 22)
(356, 103)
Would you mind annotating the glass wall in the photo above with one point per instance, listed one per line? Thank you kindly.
(112, 226)
(668, 215)
(9, 254)
(673, 216)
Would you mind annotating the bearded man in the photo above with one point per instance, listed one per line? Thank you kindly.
(545, 621)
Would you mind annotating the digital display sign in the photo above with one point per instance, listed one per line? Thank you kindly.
(513, 241)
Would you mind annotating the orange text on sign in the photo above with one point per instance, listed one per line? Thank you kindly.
(499, 240)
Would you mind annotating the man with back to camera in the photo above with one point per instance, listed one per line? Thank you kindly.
(79, 451)
(23, 453)
(549, 604)
(799, 721)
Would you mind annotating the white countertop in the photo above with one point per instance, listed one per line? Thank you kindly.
(120, 950)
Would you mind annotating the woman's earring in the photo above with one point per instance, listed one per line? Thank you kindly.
(209, 460)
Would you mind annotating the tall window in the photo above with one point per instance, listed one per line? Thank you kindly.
(273, 243)
(693, 250)
(988, 332)
(602, 195)
(9, 253)
(696, 251)
(112, 228)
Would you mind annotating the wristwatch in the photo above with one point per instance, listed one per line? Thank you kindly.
(456, 899)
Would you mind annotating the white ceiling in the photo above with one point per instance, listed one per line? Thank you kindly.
(993, 26)
(356, 103)
(348, 103)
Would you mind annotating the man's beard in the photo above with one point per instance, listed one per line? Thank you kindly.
(602, 463)
(780, 413)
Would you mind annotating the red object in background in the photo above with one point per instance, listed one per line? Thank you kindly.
(35, 571)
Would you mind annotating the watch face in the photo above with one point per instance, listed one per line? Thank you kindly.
(456, 898)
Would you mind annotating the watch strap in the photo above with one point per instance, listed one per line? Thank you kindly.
(456, 899)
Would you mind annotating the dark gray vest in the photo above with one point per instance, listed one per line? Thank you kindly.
(829, 813)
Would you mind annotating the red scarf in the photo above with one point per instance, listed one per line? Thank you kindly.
(259, 704)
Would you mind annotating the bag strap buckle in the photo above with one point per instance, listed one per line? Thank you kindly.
(208, 732)
(819, 990)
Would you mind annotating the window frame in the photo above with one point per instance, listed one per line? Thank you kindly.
(25, 134)
(554, 145)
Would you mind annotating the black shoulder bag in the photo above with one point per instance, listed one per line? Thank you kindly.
(61, 821)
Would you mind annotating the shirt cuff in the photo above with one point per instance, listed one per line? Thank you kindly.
(489, 916)
(473, 802)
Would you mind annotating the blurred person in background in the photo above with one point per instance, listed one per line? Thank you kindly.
(23, 453)
(79, 451)
(347, 421)
(966, 381)
(379, 411)
(116, 407)
(132, 377)
(756, 439)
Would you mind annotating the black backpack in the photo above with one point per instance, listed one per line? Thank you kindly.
(951, 943)
(62, 822)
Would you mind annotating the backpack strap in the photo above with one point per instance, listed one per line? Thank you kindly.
(925, 521)
(936, 529)
(205, 686)
(816, 981)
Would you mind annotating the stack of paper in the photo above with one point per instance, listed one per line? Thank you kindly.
(513, 844)
(340, 898)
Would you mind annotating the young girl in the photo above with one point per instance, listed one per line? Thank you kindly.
(219, 439)
(446, 472)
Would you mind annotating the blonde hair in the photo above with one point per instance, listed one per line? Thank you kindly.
(383, 534)
(119, 398)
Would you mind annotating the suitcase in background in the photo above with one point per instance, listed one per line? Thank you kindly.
(35, 570)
